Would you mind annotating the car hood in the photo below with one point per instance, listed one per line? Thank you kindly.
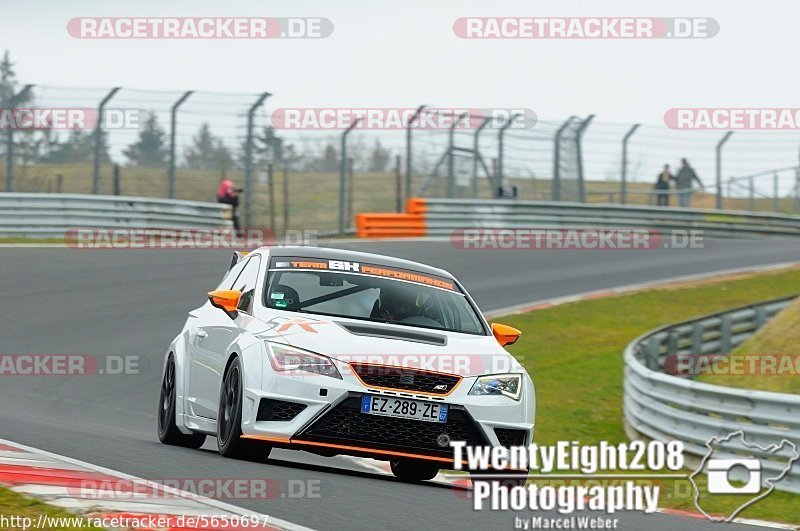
(353, 340)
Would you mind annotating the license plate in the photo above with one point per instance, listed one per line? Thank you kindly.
(405, 409)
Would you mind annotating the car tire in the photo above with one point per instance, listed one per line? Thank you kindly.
(229, 420)
(413, 471)
(168, 432)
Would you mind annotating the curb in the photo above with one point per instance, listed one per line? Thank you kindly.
(94, 491)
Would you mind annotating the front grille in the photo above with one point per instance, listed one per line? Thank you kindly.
(278, 410)
(509, 437)
(404, 379)
(345, 424)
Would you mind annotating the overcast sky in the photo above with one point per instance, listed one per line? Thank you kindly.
(401, 54)
(388, 53)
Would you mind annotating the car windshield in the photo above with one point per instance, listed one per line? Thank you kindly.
(370, 293)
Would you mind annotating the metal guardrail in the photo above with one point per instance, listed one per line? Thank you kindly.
(442, 216)
(668, 407)
(52, 215)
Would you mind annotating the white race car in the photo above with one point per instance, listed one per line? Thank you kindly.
(340, 352)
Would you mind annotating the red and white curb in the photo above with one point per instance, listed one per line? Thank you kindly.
(83, 488)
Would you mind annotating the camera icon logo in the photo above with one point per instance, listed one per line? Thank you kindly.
(721, 474)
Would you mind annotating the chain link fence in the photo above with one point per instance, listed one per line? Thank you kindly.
(178, 144)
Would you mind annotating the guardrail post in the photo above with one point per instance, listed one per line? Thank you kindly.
(475, 155)
(343, 173)
(173, 123)
(579, 153)
(557, 159)
(624, 174)
(652, 353)
(500, 151)
(751, 203)
(672, 343)
(697, 339)
(719, 168)
(725, 328)
(760, 317)
(98, 139)
(408, 148)
(248, 159)
(10, 140)
(451, 155)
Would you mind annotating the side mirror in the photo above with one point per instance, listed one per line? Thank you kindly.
(226, 300)
(504, 334)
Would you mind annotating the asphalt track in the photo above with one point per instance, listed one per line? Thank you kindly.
(132, 302)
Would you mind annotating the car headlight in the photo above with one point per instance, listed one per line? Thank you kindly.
(509, 385)
(284, 358)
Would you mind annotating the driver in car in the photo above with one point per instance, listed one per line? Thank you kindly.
(398, 303)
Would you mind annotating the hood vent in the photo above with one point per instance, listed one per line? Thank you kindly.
(393, 332)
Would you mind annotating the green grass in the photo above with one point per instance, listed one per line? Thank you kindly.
(574, 355)
(779, 337)
(13, 504)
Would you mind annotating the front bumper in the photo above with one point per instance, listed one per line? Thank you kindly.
(322, 414)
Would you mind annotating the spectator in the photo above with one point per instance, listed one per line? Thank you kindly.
(684, 183)
(229, 195)
(662, 186)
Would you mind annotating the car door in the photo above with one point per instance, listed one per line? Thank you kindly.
(212, 340)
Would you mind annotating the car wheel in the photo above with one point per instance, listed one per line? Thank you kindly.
(168, 432)
(229, 420)
(413, 470)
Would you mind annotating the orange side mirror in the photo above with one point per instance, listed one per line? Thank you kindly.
(504, 334)
(225, 299)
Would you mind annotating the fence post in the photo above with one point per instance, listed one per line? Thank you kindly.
(59, 183)
(797, 190)
(10, 141)
(719, 168)
(271, 189)
(775, 198)
(172, 131)
(500, 151)
(248, 159)
(579, 153)
(475, 155)
(343, 173)
(451, 155)
(624, 177)
(98, 139)
(398, 184)
(117, 190)
(751, 203)
(408, 148)
(349, 190)
(285, 199)
(557, 159)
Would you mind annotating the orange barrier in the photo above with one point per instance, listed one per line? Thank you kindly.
(390, 225)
